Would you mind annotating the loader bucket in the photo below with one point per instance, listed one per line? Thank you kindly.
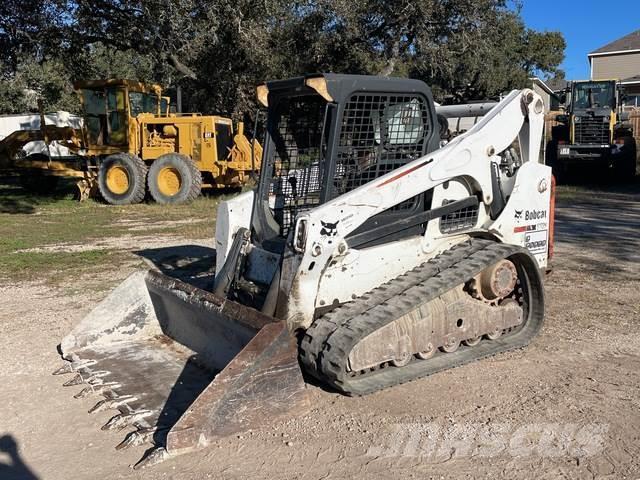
(183, 366)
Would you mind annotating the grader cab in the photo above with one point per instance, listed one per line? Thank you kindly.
(140, 144)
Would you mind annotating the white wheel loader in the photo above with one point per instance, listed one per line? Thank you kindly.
(367, 256)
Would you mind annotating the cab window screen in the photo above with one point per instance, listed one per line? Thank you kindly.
(379, 133)
(295, 157)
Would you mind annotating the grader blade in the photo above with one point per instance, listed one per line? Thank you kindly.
(182, 366)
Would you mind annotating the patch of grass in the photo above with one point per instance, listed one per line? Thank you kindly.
(569, 192)
(53, 266)
(28, 221)
(589, 193)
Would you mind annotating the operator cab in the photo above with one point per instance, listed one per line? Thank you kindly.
(108, 105)
(593, 95)
(329, 134)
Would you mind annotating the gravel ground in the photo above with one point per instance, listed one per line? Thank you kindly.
(566, 407)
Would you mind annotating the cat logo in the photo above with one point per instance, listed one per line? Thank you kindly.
(329, 229)
(518, 214)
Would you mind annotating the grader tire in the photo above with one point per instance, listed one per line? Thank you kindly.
(173, 179)
(121, 179)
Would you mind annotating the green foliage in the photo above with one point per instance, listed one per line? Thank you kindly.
(218, 50)
(31, 80)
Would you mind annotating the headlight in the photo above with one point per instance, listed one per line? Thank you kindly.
(606, 118)
(577, 119)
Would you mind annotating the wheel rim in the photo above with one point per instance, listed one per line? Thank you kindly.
(496, 334)
(118, 180)
(169, 181)
(472, 342)
(451, 347)
(428, 353)
(402, 360)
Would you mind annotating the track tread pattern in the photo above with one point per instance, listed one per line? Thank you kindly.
(326, 344)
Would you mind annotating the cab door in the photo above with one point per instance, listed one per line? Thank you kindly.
(117, 116)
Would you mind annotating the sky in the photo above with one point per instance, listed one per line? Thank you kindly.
(585, 24)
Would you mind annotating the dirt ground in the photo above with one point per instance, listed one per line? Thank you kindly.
(566, 407)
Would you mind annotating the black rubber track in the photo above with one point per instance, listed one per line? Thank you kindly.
(325, 347)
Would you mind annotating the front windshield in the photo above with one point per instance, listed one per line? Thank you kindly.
(143, 103)
(594, 95)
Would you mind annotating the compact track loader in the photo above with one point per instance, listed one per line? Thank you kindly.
(367, 256)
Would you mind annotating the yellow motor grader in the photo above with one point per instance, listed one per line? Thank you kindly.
(131, 143)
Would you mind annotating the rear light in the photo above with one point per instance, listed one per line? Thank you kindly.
(562, 142)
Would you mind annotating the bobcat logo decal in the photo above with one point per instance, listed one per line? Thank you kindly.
(329, 229)
(518, 214)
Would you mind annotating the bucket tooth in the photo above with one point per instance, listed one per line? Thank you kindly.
(63, 370)
(123, 420)
(140, 437)
(101, 387)
(72, 367)
(111, 403)
(77, 380)
(100, 406)
(86, 391)
(136, 438)
(157, 455)
(87, 377)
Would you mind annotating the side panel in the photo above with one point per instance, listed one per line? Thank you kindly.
(232, 214)
(360, 271)
(526, 218)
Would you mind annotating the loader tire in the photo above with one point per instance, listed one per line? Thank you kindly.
(626, 169)
(122, 178)
(174, 178)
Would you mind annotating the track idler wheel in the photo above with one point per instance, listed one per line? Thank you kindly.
(451, 346)
(428, 353)
(472, 342)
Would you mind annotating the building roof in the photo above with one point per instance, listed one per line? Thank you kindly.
(628, 43)
(542, 84)
(557, 84)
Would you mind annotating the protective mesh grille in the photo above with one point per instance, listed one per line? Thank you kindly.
(295, 185)
(379, 133)
(462, 219)
(592, 130)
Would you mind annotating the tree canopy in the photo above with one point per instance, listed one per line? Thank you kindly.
(219, 50)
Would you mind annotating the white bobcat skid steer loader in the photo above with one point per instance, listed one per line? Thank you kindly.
(367, 256)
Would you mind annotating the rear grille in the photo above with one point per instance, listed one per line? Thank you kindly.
(592, 130)
(462, 219)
